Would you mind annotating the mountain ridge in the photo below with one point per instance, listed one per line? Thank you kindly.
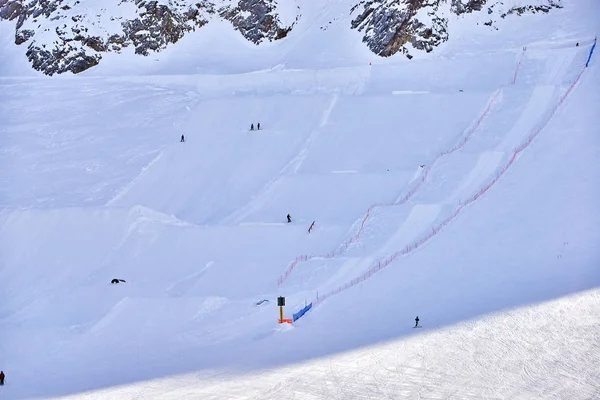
(68, 36)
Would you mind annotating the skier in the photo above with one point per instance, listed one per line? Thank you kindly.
(1, 378)
(258, 126)
(289, 218)
(417, 321)
(182, 139)
(251, 127)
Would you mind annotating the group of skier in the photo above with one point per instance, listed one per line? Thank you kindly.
(251, 128)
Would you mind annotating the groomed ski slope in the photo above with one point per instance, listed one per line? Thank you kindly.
(462, 189)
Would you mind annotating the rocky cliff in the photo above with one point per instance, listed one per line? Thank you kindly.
(392, 26)
(71, 35)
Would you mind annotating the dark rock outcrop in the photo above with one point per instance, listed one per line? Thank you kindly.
(23, 35)
(158, 26)
(398, 26)
(60, 59)
(10, 9)
(466, 6)
(60, 37)
(256, 20)
(390, 25)
(531, 9)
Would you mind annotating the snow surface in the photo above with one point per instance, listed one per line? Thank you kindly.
(95, 185)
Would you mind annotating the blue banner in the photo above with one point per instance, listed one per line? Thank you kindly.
(300, 313)
(591, 52)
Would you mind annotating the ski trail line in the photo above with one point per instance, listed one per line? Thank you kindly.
(494, 99)
(292, 167)
(420, 219)
(139, 177)
(327, 113)
(487, 164)
(299, 159)
(539, 103)
(519, 65)
(382, 263)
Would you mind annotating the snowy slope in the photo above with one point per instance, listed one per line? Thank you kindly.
(463, 189)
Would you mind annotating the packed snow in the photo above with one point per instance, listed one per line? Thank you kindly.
(461, 187)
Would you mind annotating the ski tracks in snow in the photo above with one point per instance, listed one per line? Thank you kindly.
(487, 164)
(180, 288)
(139, 177)
(495, 98)
(292, 167)
(533, 119)
(420, 179)
(484, 358)
(535, 131)
(297, 161)
(420, 219)
(538, 104)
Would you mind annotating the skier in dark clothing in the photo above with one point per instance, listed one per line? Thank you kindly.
(251, 127)
(1, 378)
(289, 218)
(258, 126)
(417, 321)
(182, 138)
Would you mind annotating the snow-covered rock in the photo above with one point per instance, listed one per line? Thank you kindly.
(396, 26)
(70, 35)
